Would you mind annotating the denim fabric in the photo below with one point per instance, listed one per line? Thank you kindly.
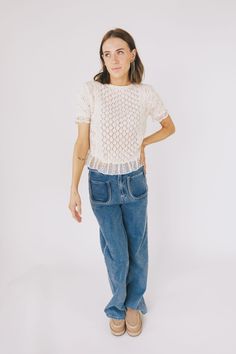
(119, 203)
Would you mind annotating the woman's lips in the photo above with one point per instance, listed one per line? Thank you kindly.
(115, 68)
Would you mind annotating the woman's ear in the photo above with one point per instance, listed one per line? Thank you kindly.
(134, 53)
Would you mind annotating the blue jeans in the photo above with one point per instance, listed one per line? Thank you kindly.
(119, 203)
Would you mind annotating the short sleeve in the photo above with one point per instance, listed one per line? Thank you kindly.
(83, 105)
(155, 106)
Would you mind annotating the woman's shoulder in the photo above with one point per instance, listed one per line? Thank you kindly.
(92, 83)
(92, 87)
(86, 88)
(147, 86)
(146, 89)
(150, 90)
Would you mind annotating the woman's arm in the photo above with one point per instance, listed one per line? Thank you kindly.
(167, 129)
(80, 152)
(81, 148)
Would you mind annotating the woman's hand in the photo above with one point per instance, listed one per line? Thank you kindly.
(142, 157)
(75, 205)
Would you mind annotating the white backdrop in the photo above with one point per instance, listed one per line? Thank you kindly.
(53, 279)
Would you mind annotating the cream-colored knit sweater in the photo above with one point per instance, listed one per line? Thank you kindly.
(117, 117)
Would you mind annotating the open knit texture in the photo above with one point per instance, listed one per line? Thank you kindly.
(117, 116)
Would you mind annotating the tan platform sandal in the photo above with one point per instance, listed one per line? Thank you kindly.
(117, 327)
(133, 326)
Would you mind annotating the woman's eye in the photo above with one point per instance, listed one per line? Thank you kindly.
(108, 54)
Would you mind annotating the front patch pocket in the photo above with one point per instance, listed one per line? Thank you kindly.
(137, 185)
(100, 191)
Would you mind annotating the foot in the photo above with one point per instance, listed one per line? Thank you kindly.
(133, 321)
(117, 327)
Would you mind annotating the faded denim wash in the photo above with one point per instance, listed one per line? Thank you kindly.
(119, 203)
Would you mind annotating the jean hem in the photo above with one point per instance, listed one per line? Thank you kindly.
(142, 309)
(116, 318)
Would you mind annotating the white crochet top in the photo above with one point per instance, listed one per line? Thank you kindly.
(117, 117)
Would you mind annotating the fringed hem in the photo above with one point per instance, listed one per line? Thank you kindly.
(112, 168)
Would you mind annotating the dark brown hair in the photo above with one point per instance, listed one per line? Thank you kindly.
(103, 76)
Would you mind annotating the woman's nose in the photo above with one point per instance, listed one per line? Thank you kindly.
(114, 58)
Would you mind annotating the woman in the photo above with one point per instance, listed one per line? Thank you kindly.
(111, 116)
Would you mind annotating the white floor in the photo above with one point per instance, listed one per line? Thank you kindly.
(55, 310)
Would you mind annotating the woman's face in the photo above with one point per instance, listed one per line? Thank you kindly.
(117, 58)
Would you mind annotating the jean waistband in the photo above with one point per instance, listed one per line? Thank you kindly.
(95, 172)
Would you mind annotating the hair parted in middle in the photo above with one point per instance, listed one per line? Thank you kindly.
(136, 70)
